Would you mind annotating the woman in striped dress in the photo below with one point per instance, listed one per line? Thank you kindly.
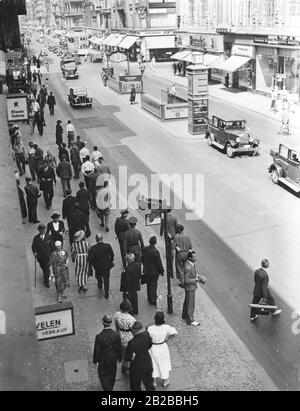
(80, 251)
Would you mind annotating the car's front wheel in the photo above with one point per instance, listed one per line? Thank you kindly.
(209, 141)
(229, 151)
(275, 176)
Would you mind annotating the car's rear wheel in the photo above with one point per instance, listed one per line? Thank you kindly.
(275, 176)
(209, 141)
(229, 151)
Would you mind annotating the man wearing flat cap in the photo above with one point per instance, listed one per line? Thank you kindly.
(107, 352)
(42, 250)
(134, 243)
(137, 353)
(121, 226)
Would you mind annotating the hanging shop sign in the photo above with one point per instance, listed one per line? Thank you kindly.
(241, 50)
(17, 107)
(54, 321)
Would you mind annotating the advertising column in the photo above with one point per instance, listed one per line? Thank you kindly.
(198, 99)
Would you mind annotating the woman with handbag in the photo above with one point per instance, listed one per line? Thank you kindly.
(123, 323)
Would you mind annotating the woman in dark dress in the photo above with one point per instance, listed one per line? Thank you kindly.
(56, 228)
(59, 133)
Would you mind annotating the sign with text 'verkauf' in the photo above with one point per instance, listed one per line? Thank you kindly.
(17, 107)
(54, 321)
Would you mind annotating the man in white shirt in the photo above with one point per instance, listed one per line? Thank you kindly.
(103, 204)
(83, 153)
(87, 169)
(35, 106)
(96, 155)
(70, 133)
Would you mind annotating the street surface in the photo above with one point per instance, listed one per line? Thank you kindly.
(246, 218)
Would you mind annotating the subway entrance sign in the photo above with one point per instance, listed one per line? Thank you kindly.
(54, 321)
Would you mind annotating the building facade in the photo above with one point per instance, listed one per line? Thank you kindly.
(265, 34)
(9, 23)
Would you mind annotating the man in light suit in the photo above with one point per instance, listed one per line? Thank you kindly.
(190, 286)
(261, 290)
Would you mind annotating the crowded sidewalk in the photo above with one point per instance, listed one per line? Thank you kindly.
(66, 364)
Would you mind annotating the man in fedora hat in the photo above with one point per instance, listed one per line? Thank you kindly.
(107, 352)
(101, 258)
(32, 195)
(47, 178)
(121, 226)
(134, 243)
(56, 229)
(42, 250)
(137, 353)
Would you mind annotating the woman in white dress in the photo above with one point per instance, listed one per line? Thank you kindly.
(159, 352)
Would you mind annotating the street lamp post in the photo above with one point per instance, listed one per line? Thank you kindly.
(142, 68)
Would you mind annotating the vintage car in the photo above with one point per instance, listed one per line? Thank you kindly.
(78, 97)
(233, 137)
(69, 68)
(286, 167)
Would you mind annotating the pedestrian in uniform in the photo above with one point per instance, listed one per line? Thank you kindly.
(101, 258)
(190, 286)
(64, 172)
(121, 226)
(51, 103)
(107, 352)
(130, 283)
(59, 261)
(153, 268)
(56, 229)
(137, 353)
(32, 195)
(47, 178)
(42, 250)
(182, 245)
(261, 292)
(134, 241)
(80, 253)
(59, 133)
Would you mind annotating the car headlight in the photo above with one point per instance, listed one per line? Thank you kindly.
(238, 140)
(251, 139)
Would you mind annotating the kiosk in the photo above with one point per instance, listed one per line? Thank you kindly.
(123, 84)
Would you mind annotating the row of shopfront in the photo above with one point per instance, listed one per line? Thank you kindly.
(257, 62)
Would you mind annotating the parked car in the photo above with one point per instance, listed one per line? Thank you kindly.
(286, 167)
(78, 97)
(233, 137)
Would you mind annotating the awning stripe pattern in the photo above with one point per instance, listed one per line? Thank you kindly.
(128, 42)
(233, 63)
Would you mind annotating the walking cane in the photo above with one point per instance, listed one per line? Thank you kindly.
(34, 272)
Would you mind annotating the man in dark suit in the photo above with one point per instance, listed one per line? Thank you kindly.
(101, 257)
(153, 268)
(83, 199)
(78, 221)
(68, 206)
(137, 353)
(133, 240)
(261, 290)
(107, 352)
(121, 226)
(42, 250)
(47, 178)
(131, 282)
(190, 286)
(32, 196)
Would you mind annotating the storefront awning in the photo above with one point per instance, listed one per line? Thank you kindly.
(160, 42)
(181, 55)
(212, 60)
(115, 40)
(128, 42)
(93, 40)
(233, 63)
(107, 39)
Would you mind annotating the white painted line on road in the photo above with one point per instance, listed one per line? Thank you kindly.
(2, 322)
